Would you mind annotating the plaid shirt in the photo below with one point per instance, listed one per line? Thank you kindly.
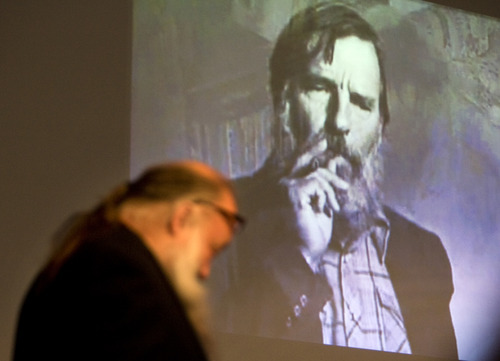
(363, 311)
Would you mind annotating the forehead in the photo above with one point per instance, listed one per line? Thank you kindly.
(355, 64)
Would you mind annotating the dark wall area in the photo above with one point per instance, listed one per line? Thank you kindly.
(64, 124)
(485, 7)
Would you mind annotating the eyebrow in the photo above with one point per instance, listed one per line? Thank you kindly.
(362, 100)
(310, 79)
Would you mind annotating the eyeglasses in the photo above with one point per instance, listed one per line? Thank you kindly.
(235, 221)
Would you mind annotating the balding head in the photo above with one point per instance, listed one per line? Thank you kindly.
(173, 181)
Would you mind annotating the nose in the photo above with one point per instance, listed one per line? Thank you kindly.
(338, 122)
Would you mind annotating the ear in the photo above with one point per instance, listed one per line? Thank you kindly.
(284, 137)
(180, 218)
(283, 109)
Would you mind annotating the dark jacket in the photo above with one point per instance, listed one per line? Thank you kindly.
(270, 276)
(109, 301)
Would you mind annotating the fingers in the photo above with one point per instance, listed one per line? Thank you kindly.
(323, 185)
(315, 191)
(342, 171)
(311, 193)
(320, 189)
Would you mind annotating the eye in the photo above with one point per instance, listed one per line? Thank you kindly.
(313, 87)
(362, 102)
(314, 84)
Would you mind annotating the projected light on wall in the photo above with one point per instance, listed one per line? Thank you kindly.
(200, 89)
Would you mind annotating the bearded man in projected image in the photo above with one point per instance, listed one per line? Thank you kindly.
(323, 259)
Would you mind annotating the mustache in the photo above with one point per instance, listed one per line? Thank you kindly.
(336, 147)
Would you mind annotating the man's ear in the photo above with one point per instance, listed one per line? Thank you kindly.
(283, 132)
(283, 108)
(180, 217)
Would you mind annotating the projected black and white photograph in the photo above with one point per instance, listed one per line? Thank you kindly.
(363, 139)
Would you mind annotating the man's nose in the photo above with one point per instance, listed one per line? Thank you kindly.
(338, 122)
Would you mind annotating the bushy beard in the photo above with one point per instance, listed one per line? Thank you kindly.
(362, 202)
(183, 273)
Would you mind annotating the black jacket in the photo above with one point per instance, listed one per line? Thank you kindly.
(268, 276)
(109, 301)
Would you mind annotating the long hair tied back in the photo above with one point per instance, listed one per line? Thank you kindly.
(167, 182)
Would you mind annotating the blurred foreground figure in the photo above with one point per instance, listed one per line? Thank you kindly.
(126, 281)
(324, 259)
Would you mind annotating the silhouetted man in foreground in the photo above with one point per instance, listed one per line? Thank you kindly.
(125, 283)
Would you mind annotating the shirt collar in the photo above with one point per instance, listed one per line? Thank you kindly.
(379, 234)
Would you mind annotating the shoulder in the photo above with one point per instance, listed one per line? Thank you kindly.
(417, 253)
(402, 223)
(111, 285)
(118, 247)
(117, 255)
(422, 278)
(407, 236)
(100, 272)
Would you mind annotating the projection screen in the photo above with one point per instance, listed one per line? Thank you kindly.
(200, 89)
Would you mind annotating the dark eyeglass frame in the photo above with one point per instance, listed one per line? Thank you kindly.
(235, 221)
